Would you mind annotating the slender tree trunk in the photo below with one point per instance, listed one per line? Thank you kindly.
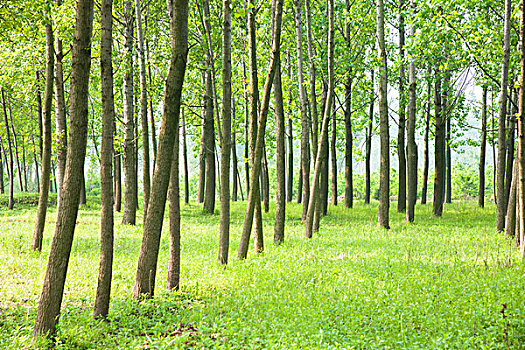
(510, 222)
(105, 270)
(303, 102)
(261, 127)
(38, 232)
(424, 188)
(61, 128)
(266, 181)
(448, 198)
(300, 187)
(368, 149)
(521, 135)
(324, 171)
(209, 147)
(147, 264)
(53, 286)
(402, 183)
(235, 174)
(349, 184)
(384, 177)
(510, 146)
(289, 195)
(411, 133)
(280, 206)
(173, 282)
(313, 98)
(185, 159)
(483, 147)
(333, 156)
(15, 144)
(151, 114)
(130, 176)
(10, 167)
(501, 205)
(2, 191)
(439, 153)
(224, 240)
(24, 167)
(202, 165)
(143, 108)
(118, 181)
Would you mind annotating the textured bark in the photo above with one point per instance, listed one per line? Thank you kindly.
(149, 250)
(333, 157)
(368, 149)
(384, 177)
(521, 135)
(303, 102)
(261, 127)
(510, 222)
(280, 196)
(202, 165)
(324, 172)
(510, 144)
(224, 240)
(235, 174)
(143, 109)
(130, 174)
(173, 282)
(11, 202)
(185, 160)
(311, 59)
(266, 181)
(38, 232)
(402, 183)
(118, 181)
(105, 270)
(53, 286)
(15, 144)
(411, 134)
(289, 188)
(1, 170)
(501, 205)
(439, 152)
(448, 197)
(323, 143)
(61, 128)
(424, 188)
(209, 147)
(483, 148)
(82, 200)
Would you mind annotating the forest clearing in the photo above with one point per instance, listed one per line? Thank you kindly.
(439, 283)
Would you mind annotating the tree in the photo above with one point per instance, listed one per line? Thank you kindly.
(38, 232)
(439, 153)
(53, 287)
(106, 162)
(401, 200)
(147, 264)
(483, 146)
(61, 127)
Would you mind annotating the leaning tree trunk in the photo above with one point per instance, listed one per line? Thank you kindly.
(38, 232)
(303, 102)
(53, 287)
(501, 204)
(10, 167)
(402, 183)
(143, 108)
(424, 188)
(483, 148)
(105, 270)
(224, 239)
(384, 177)
(439, 153)
(61, 128)
(130, 175)
(149, 250)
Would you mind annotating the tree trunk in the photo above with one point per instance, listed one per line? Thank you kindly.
(349, 184)
(510, 222)
(402, 183)
(185, 159)
(130, 176)
(333, 156)
(2, 191)
(501, 205)
(105, 270)
(202, 163)
(266, 182)
(61, 124)
(255, 162)
(368, 150)
(280, 197)
(521, 134)
(303, 102)
(384, 177)
(483, 147)
(510, 145)
(209, 146)
(38, 232)
(235, 174)
(439, 153)
(411, 133)
(10, 168)
(173, 282)
(289, 195)
(118, 181)
(143, 109)
(15, 144)
(147, 264)
(313, 98)
(424, 188)
(224, 240)
(448, 198)
(82, 199)
(53, 287)
(323, 143)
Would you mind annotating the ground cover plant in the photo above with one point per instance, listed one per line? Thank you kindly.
(450, 282)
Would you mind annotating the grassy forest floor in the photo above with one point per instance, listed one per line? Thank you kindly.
(436, 284)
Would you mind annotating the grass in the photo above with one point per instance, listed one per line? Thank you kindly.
(435, 284)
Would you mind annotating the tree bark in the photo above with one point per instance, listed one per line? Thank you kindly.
(61, 124)
(424, 188)
(303, 102)
(185, 159)
(118, 180)
(10, 167)
(15, 144)
(147, 264)
(53, 287)
(224, 240)
(384, 177)
(289, 195)
(411, 133)
(368, 149)
(235, 174)
(483, 147)
(261, 127)
(130, 175)
(105, 270)
(313, 98)
(280, 197)
(202, 163)
(521, 134)
(333, 156)
(209, 146)
(448, 198)
(38, 232)
(143, 109)
(349, 144)
(501, 205)
(510, 144)
(402, 183)
(439, 153)
(510, 222)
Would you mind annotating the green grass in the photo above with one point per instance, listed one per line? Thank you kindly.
(435, 284)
